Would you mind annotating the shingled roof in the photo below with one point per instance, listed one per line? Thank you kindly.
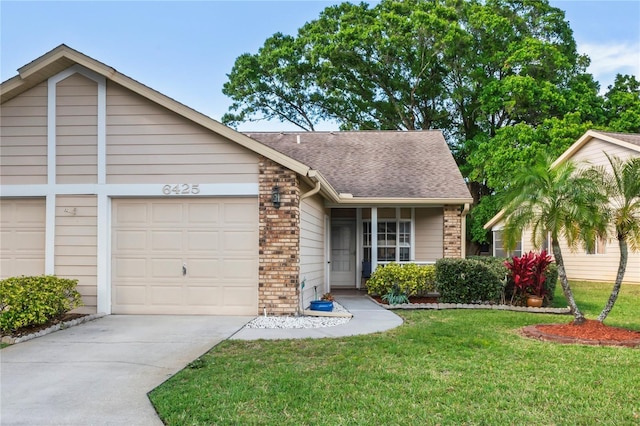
(633, 138)
(376, 164)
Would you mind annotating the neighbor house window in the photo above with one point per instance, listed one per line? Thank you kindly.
(498, 247)
(599, 247)
(394, 240)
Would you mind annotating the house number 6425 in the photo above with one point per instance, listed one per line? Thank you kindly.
(181, 189)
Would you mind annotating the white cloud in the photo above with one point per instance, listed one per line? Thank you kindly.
(610, 59)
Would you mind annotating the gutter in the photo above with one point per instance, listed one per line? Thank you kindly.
(313, 175)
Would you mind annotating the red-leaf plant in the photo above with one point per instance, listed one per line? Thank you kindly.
(528, 273)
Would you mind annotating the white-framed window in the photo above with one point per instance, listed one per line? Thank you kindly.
(498, 247)
(394, 240)
(599, 246)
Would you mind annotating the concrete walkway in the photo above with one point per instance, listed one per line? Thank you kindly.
(99, 372)
(368, 318)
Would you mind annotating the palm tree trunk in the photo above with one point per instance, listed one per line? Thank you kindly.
(566, 289)
(622, 267)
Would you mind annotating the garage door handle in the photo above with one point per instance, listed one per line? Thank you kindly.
(184, 269)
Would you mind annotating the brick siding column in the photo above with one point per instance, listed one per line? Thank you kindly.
(279, 245)
(452, 231)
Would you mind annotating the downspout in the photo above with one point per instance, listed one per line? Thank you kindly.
(463, 218)
(315, 190)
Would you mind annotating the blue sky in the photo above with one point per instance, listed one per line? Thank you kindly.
(185, 49)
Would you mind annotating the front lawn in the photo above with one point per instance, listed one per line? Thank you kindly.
(440, 367)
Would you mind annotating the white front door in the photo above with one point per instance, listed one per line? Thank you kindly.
(343, 254)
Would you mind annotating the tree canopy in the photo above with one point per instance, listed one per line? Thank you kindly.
(501, 78)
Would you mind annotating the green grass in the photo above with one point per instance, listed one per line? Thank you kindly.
(441, 367)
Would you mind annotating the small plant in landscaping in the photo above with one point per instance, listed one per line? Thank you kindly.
(528, 274)
(395, 296)
(328, 296)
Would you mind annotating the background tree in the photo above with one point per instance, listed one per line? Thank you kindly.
(502, 78)
(558, 201)
(621, 185)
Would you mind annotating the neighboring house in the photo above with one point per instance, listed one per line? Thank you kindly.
(602, 263)
(158, 209)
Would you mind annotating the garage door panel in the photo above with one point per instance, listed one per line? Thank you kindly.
(207, 213)
(130, 240)
(167, 213)
(166, 268)
(166, 241)
(203, 241)
(131, 214)
(203, 296)
(217, 239)
(129, 268)
(204, 268)
(22, 237)
(166, 295)
(131, 295)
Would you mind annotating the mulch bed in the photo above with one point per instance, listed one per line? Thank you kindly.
(591, 332)
(24, 331)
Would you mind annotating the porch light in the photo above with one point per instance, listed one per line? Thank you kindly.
(275, 196)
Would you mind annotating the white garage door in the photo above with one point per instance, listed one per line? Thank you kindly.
(22, 237)
(185, 256)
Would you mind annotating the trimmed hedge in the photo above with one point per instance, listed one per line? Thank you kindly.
(411, 279)
(468, 281)
(26, 301)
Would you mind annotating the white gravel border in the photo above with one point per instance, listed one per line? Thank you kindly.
(284, 322)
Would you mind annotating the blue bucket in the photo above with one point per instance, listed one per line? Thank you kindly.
(322, 305)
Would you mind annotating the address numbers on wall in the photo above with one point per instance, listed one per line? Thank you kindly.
(181, 189)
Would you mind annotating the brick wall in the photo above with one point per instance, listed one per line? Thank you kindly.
(452, 231)
(279, 245)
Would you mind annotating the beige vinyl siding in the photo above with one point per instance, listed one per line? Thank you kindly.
(429, 234)
(600, 267)
(77, 130)
(149, 144)
(23, 138)
(312, 246)
(593, 153)
(22, 237)
(76, 244)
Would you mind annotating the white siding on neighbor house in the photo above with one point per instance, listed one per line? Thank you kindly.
(77, 130)
(23, 145)
(429, 234)
(148, 144)
(312, 246)
(601, 266)
(76, 244)
(593, 153)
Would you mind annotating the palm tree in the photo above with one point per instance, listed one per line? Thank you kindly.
(558, 200)
(621, 184)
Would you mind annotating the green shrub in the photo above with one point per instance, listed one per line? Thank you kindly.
(411, 279)
(395, 296)
(26, 301)
(467, 281)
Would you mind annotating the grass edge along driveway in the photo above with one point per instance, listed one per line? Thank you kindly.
(440, 367)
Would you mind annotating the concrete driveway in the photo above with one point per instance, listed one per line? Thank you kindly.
(99, 372)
